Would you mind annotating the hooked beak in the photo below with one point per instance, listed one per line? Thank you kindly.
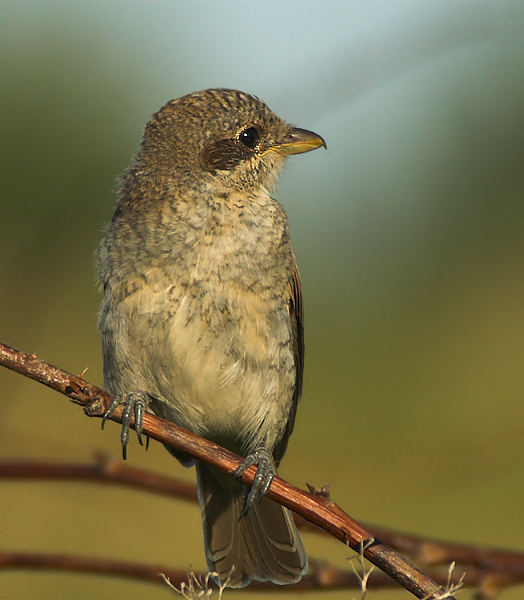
(298, 141)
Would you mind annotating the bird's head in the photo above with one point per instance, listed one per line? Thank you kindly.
(222, 140)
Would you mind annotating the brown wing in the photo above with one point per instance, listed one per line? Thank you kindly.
(296, 313)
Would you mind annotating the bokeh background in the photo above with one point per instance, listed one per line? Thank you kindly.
(408, 233)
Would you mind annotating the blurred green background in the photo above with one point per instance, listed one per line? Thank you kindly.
(408, 233)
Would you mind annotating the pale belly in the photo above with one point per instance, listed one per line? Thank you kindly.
(223, 363)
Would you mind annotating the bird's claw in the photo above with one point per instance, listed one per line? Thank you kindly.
(263, 478)
(135, 405)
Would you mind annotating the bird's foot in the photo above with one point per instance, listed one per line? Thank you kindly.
(135, 404)
(263, 478)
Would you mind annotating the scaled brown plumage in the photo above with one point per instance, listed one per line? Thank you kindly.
(202, 319)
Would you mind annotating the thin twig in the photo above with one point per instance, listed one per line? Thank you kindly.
(322, 577)
(107, 469)
(489, 570)
(324, 514)
(104, 469)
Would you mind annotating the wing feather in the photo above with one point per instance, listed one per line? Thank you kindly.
(296, 313)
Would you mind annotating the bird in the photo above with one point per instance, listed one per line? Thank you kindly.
(202, 316)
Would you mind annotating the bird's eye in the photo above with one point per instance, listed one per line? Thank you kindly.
(249, 137)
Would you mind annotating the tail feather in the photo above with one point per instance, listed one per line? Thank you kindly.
(264, 545)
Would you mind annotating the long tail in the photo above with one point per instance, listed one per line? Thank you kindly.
(264, 545)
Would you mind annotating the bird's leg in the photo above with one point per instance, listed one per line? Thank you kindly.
(135, 404)
(263, 478)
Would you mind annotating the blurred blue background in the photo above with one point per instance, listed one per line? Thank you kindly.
(408, 233)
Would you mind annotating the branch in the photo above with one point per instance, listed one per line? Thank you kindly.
(322, 577)
(490, 570)
(314, 508)
(106, 469)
